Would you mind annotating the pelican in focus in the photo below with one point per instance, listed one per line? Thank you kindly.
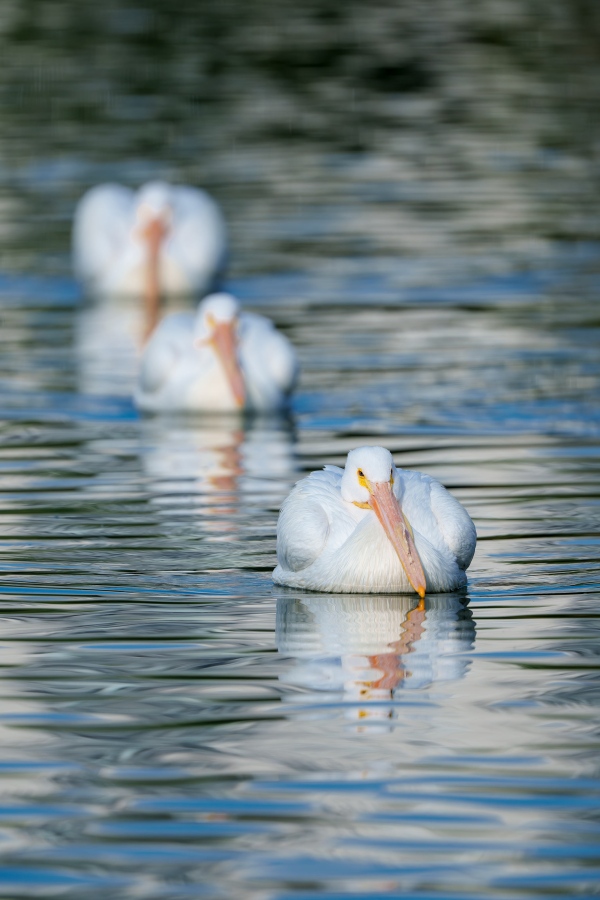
(160, 241)
(373, 528)
(219, 359)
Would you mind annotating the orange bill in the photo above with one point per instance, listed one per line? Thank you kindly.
(153, 234)
(224, 340)
(388, 510)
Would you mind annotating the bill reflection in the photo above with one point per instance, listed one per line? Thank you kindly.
(216, 466)
(363, 650)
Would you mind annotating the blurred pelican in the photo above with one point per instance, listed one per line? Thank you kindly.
(217, 360)
(373, 528)
(161, 240)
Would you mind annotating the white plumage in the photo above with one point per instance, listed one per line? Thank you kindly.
(373, 528)
(138, 253)
(110, 249)
(216, 360)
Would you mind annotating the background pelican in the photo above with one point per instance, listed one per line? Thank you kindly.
(373, 528)
(158, 241)
(219, 359)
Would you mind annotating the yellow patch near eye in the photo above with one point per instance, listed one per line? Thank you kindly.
(362, 480)
(210, 320)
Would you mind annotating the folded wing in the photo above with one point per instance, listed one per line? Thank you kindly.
(101, 227)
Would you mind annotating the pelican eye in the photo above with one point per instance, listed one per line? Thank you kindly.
(362, 478)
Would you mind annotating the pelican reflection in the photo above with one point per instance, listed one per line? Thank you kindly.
(365, 648)
(217, 466)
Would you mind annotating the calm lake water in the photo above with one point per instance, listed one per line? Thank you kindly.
(413, 197)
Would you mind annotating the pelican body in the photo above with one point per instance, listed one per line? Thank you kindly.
(162, 240)
(373, 528)
(219, 359)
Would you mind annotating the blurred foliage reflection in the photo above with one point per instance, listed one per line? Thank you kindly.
(462, 123)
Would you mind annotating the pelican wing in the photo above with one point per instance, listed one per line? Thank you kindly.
(305, 519)
(100, 231)
(455, 524)
(198, 241)
(162, 355)
(282, 361)
(268, 356)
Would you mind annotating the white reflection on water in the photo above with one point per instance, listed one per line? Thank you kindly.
(363, 649)
(107, 342)
(216, 466)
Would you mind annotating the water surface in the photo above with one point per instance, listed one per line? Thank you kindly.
(425, 229)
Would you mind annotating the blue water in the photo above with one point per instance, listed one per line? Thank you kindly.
(172, 724)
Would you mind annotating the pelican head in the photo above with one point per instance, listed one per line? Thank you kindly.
(368, 482)
(153, 204)
(216, 327)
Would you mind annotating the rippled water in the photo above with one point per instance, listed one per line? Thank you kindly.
(173, 725)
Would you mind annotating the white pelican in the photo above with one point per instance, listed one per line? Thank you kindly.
(218, 359)
(373, 528)
(161, 240)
